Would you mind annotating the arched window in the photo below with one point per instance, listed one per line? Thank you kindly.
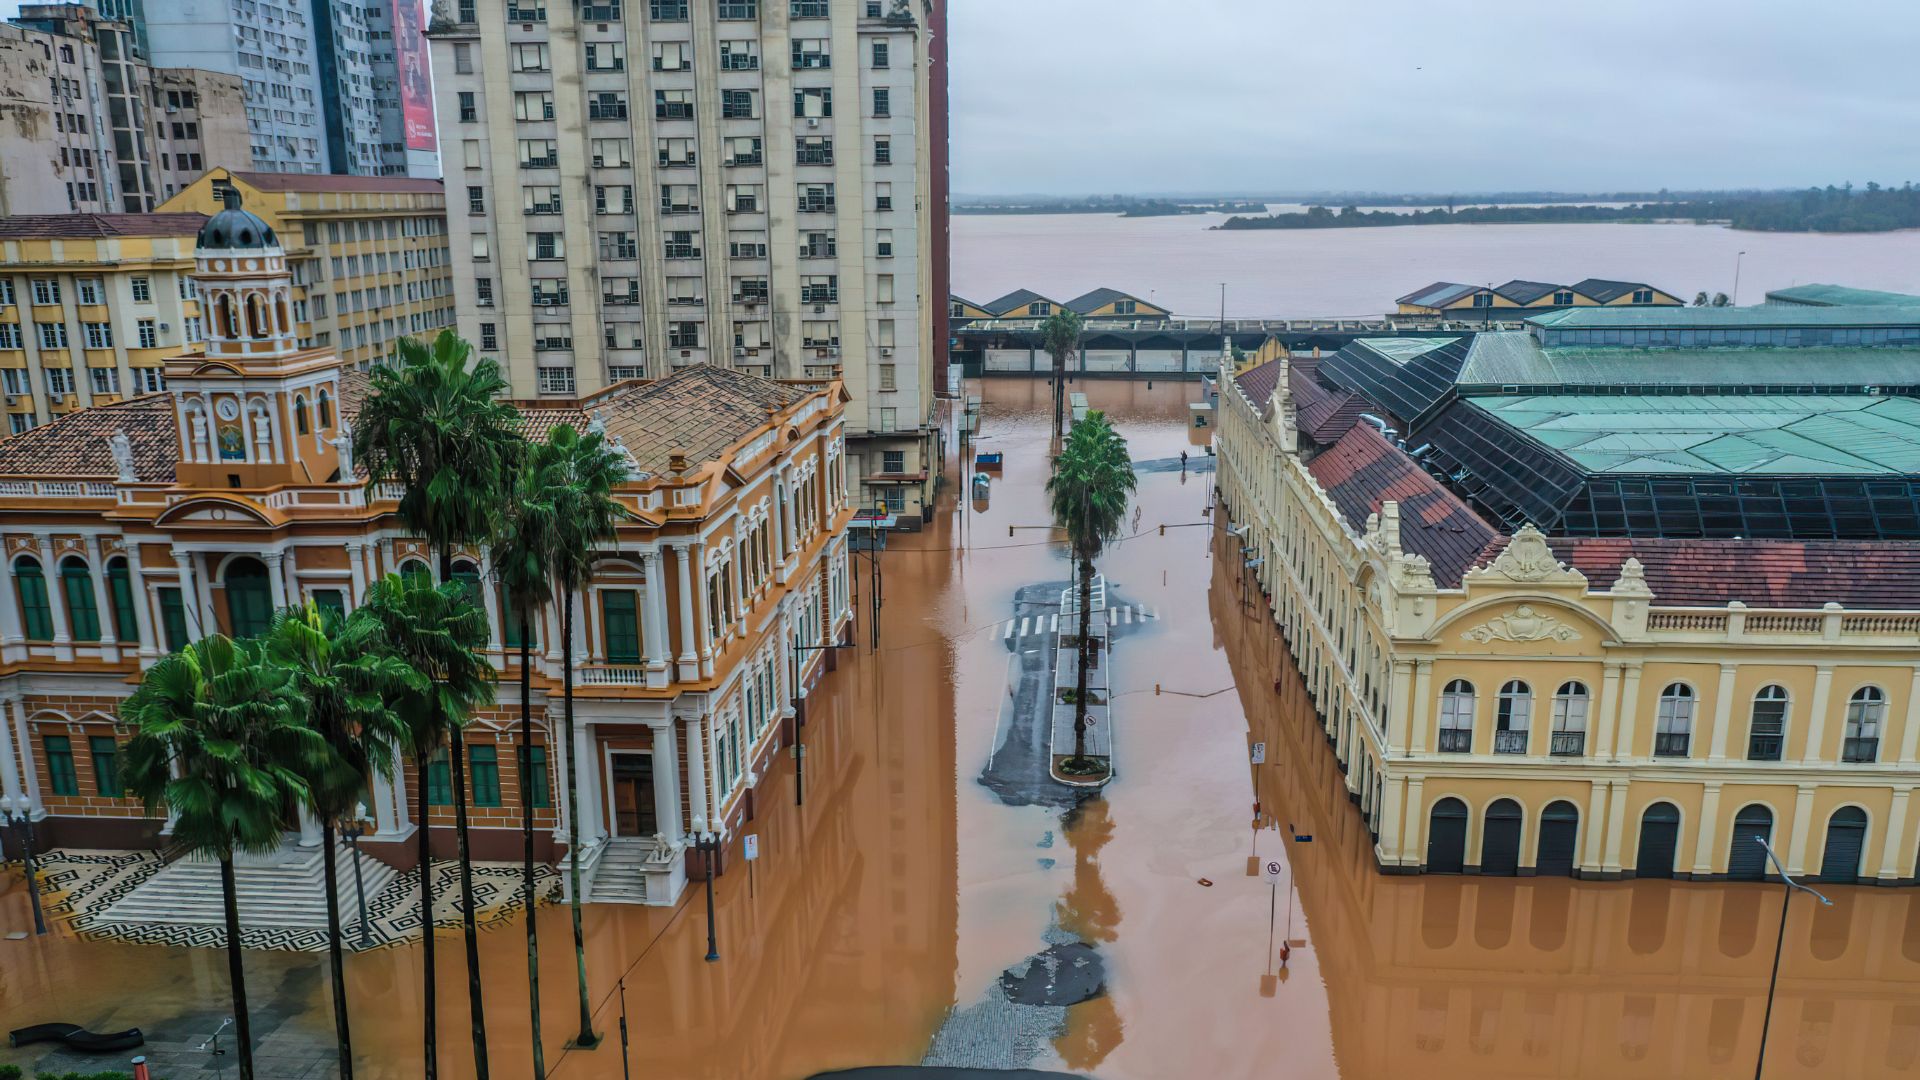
(1659, 839)
(249, 598)
(467, 576)
(1511, 715)
(226, 318)
(326, 411)
(413, 568)
(1447, 836)
(300, 413)
(1570, 719)
(1846, 841)
(126, 624)
(1768, 731)
(31, 583)
(76, 586)
(1500, 839)
(1746, 856)
(1456, 717)
(1866, 710)
(256, 316)
(1673, 727)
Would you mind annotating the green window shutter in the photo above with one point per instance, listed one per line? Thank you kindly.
(510, 623)
(439, 780)
(60, 765)
(330, 600)
(249, 600)
(82, 613)
(173, 619)
(622, 626)
(533, 775)
(126, 625)
(467, 576)
(106, 766)
(37, 616)
(485, 764)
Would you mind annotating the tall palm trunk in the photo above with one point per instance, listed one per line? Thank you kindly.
(526, 835)
(457, 758)
(586, 1037)
(236, 971)
(431, 1069)
(1059, 392)
(334, 960)
(1086, 654)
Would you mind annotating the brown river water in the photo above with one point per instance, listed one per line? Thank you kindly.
(903, 887)
(1178, 263)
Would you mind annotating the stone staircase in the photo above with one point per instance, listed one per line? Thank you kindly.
(634, 870)
(284, 889)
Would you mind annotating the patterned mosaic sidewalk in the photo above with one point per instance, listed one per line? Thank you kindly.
(78, 886)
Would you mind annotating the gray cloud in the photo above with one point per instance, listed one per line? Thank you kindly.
(1076, 96)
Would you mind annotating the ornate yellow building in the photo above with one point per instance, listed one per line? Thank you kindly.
(1603, 707)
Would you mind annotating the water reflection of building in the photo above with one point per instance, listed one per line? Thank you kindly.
(1453, 976)
(133, 528)
(1713, 641)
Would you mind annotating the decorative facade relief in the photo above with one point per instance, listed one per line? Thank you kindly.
(1528, 560)
(1524, 624)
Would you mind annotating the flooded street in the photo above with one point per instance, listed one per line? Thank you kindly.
(904, 887)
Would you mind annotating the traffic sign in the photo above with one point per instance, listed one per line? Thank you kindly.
(1271, 870)
(750, 845)
(1259, 753)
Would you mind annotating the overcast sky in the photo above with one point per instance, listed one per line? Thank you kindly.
(1079, 96)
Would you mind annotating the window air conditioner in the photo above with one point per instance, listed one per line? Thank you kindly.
(819, 309)
(739, 350)
(886, 350)
(813, 121)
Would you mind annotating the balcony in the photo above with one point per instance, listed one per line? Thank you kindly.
(1764, 747)
(1860, 750)
(1456, 740)
(611, 674)
(1567, 744)
(1671, 743)
(1509, 742)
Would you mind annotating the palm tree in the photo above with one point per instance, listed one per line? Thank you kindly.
(1060, 336)
(340, 668)
(1089, 487)
(441, 633)
(445, 432)
(575, 474)
(520, 560)
(218, 738)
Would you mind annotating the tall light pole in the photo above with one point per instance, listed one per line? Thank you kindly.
(1773, 979)
(708, 844)
(1736, 303)
(353, 831)
(20, 810)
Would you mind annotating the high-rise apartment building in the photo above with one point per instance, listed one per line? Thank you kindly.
(641, 186)
(271, 45)
(199, 123)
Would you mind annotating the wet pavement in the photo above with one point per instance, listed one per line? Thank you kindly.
(891, 906)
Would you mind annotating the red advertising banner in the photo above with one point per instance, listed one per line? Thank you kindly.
(416, 80)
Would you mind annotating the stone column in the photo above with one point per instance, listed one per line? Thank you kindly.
(150, 644)
(697, 783)
(109, 639)
(23, 738)
(1397, 706)
(1592, 830)
(1599, 738)
(1413, 840)
(653, 615)
(586, 767)
(706, 617)
(9, 771)
(309, 828)
(1629, 710)
(1616, 823)
(1796, 854)
(56, 599)
(689, 660)
(1722, 712)
(386, 823)
(291, 564)
(13, 634)
(1910, 735)
(1817, 712)
(1422, 702)
(1389, 818)
(666, 781)
(490, 599)
(1894, 850)
(1708, 828)
(276, 577)
(356, 561)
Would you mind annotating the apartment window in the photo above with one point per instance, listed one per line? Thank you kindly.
(674, 153)
(1766, 731)
(549, 292)
(541, 199)
(88, 289)
(10, 336)
(739, 9)
(736, 105)
(1456, 717)
(810, 53)
(879, 54)
(46, 291)
(53, 335)
(147, 333)
(887, 377)
(682, 291)
(746, 245)
(679, 198)
(607, 105)
(739, 55)
(618, 291)
(819, 289)
(672, 56)
(812, 102)
(883, 196)
(817, 245)
(668, 10)
(533, 105)
(439, 780)
(59, 381)
(539, 154)
(743, 198)
(816, 198)
(623, 372)
(99, 335)
(890, 421)
(681, 244)
(809, 9)
(882, 101)
(483, 766)
(673, 104)
(618, 245)
(1673, 724)
(743, 150)
(476, 199)
(749, 290)
(469, 107)
(150, 380)
(489, 336)
(546, 245)
(6, 291)
(613, 199)
(1512, 717)
(482, 252)
(526, 11)
(883, 333)
(104, 380)
(820, 334)
(883, 243)
(606, 56)
(530, 55)
(1570, 708)
(1866, 713)
(683, 335)
(463, 58)
(813, 150)
(1125, 307)
(612, 153)
(883, 151)
(533, 769)
(750, 335)
(1643, 296)
(552, 337)
(1563, 298)
(60, 772)
(20, 422)
(106, 766)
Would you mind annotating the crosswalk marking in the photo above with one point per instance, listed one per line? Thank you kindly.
(1023, 626)
(1009, 632)
(1054, 626)
(1123, 615)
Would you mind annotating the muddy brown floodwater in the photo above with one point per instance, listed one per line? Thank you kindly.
(904, 886)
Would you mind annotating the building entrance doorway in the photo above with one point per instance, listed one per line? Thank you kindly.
(633, 812)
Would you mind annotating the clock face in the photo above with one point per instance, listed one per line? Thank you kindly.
(228, 408)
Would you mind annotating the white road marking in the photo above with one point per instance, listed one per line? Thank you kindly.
(1023, 626)
(1054, 626)
(1009, 632)
(1126, 615)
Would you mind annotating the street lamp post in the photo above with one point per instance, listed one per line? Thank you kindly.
(1735, 302)
(20, 811)
(708, 845)
(353, 831)
(1773, 979)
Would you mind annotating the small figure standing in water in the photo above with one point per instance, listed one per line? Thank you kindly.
(1183, 461)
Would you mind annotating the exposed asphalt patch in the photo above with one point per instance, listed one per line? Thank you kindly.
(1066, 974)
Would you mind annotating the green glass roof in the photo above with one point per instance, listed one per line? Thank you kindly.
(1766, 434)
(1840, 296)
(1722, 318)
(1515, 359)
(1401, 350)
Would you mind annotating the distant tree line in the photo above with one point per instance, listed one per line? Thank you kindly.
(1829, 209)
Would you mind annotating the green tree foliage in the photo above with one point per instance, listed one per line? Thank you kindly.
(1088, 491)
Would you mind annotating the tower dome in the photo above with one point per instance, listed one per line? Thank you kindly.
(236, 229)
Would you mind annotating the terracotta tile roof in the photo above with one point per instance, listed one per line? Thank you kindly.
(1863, 574)
(92, 226)
(268, 181)
(1363, 470)
(701, 411)
(76, 446)
(1257, 382)
(1321, 414)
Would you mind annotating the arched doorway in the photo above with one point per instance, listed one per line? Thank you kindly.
(1846, 839)
(1559, 830)
(1659, 837)
(249, 598)
(1746, 859)
(1500, 839)
(1447, 837)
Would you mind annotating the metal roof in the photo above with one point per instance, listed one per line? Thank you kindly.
(1515, 359)
(1839, 296)
(1746, 434)
(1014, 299)
(1784, 316)
(1438, 294)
